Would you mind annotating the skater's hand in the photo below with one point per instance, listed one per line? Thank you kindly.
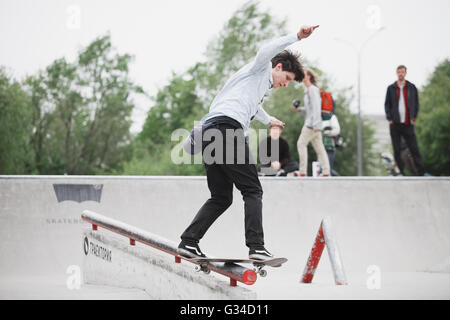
(276, 165)
(275, 122)
(306, 31)
(391, 122)
(413, 121)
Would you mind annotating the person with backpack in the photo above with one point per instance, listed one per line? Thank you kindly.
(312, 128)
(330, 129)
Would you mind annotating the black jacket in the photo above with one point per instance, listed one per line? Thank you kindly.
(391, 102)
(283, 156)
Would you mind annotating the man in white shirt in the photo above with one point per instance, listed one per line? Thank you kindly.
(234, 107)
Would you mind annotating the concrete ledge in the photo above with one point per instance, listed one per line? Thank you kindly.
(110, 260)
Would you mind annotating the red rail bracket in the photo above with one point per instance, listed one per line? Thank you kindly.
(234, 272)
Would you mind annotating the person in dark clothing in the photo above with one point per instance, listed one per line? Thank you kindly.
(234, 107)
(330, 130)
(279, 163)
(402, 107)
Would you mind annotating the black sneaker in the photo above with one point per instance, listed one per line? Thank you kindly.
(260, 253)
(189, 250)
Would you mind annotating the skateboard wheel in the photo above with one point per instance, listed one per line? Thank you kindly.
(198, 268)
(207, 271)
(263, 273)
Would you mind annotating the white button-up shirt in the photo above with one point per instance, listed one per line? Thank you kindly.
(243, 94)
(401, 105)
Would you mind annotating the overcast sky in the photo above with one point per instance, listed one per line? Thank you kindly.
(171, 35)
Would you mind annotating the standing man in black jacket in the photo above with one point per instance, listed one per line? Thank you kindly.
(401, 107)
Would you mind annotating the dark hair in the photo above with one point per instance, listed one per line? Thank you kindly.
(401, 67)
(290, 63)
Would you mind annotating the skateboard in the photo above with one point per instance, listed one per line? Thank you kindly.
(258, 265)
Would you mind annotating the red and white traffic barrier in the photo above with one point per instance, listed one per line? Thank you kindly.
(325, 237)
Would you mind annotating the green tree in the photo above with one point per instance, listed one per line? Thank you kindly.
(433, 123)
(40, 121)
(63, 105)
(105, 144)
(82, 112)
(176, 106)
(16, 156)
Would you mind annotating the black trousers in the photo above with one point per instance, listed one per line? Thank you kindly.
(331, 156)
(290, 166)
(399, 130)
(221, 177)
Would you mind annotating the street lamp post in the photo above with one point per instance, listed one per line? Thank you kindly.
(358, 97)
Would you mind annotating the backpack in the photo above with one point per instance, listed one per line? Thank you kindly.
(328, 105)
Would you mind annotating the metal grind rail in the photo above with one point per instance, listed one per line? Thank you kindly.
(233, 271)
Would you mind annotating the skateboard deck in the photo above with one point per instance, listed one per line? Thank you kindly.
(275, 262)
(258, 264)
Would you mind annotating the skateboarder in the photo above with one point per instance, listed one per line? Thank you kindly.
(233, 108)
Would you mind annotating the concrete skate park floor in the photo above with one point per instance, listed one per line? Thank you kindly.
(276, 286)
(408, 240)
